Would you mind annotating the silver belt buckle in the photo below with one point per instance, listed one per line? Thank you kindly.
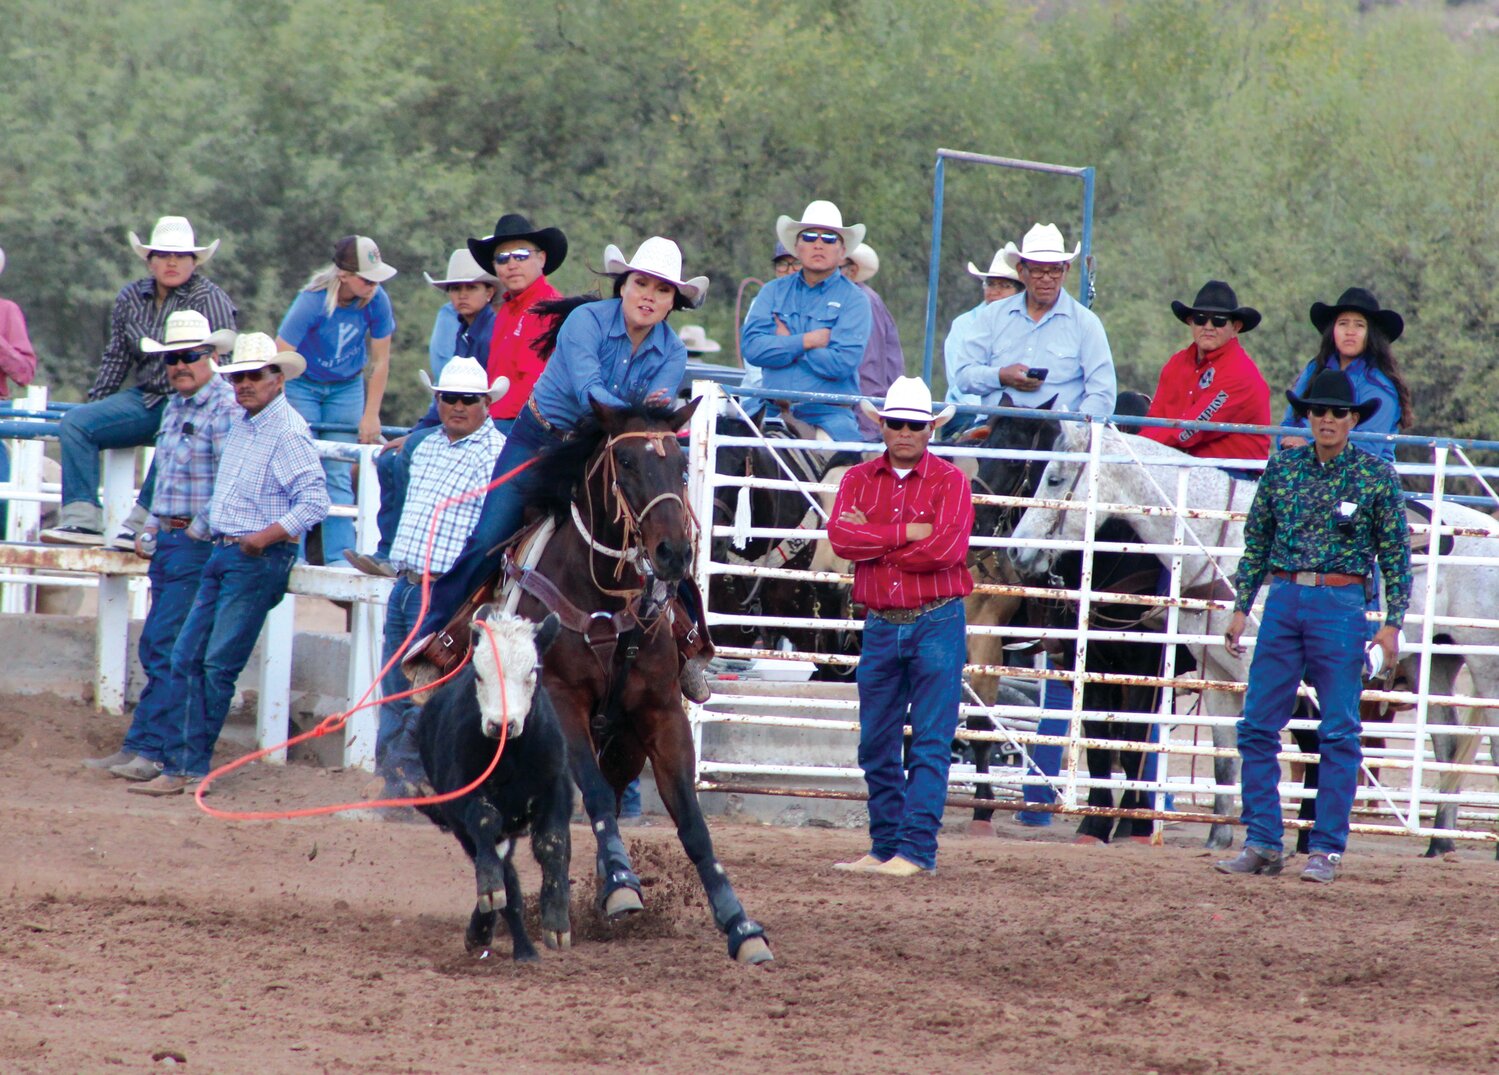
(1306, 578)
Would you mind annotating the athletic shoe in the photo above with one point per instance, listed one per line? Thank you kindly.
(71, 535)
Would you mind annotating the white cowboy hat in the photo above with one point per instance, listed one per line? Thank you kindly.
(174, 235)
(662, 259)
(187, 329)
(466, 376)
(463, 269)
(2, 260)
(999, 266)
(868, 261)
(820, 215)
(359, 255)
(256, 350)
(909, 399)
(1042, 243)
(695, 338)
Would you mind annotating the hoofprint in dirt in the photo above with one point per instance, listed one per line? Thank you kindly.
(132, 930)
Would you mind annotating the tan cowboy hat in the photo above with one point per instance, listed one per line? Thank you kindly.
(256, 350)
(999, 265)
(662, 259)
(463, 269)
(187, 329)
(173, 235)
(1042, 243)
(695, 339)
(910, 400)
(465, 376)
(821, 216)
(868, 261)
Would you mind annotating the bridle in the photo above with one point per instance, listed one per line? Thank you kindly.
(627, 515)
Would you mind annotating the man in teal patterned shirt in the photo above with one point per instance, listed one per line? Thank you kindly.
(1322, 516)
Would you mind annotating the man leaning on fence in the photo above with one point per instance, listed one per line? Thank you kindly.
(904, 520)
(175, 537)
(458, 459)
(1321, 517)
(269, 490)
(129, 417)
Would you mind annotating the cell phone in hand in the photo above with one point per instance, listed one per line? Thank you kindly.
(1037, 373)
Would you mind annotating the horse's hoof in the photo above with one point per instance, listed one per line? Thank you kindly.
(980, 828)
(490, 901)
(1084, 840)
(622, 902)
(557, 940)
(753, 951)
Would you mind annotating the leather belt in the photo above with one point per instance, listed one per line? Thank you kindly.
(910, 615)
(175, 522)
(226, 539)
(1318, 578)
(415, 577)
(548, 426)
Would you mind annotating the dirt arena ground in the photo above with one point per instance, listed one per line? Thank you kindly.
(142, 935)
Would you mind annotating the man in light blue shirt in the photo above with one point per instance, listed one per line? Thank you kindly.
(999, 281)
(1009, 344)
(807, 331)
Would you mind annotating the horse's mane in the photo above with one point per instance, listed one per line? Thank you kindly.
(560, 469)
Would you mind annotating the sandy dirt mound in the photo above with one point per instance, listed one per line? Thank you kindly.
(143, 935)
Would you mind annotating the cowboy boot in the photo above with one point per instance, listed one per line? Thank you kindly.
(693, 644)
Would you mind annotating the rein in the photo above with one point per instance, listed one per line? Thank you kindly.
(630, 552)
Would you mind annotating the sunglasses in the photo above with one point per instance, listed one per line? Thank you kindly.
(468, 399)
(197, 354)
(898, 424)
(514, 255)
(1323, 412)
(829, 237)
(1218, 320)
(1044, 268)
(253, 376)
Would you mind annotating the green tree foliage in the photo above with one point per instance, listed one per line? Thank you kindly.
(1293, 148)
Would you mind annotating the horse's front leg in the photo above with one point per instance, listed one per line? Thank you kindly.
(674, 765)
(620, 888)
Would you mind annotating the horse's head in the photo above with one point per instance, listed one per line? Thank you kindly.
(1061, 480)
(507, 663)
(1009, 477)
(649, 473)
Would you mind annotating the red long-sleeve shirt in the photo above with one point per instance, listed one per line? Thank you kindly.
(889, 571)
(1222, 386)
(510, 352)
(17, 357)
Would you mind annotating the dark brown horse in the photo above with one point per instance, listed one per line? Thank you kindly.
(622, 546)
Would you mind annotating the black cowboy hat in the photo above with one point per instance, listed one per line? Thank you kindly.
(1360, 301)
(1332, 388)
(1216, 297)
(513, 226)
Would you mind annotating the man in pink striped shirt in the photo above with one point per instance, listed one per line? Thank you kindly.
(904, 520)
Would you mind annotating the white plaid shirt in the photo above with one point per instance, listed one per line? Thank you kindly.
(440, 469)
(269, 472)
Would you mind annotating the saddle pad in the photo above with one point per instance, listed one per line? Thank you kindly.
(525, 553)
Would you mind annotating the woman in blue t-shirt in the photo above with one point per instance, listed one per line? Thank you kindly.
(1356, 334)
(341, 322)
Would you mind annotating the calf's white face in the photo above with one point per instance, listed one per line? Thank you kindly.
(505, 688)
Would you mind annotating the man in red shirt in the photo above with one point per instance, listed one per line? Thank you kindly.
(1213, 380)
(904, 520)
(521, 256)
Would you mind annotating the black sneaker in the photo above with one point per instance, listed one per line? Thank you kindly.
(124, 541)
(71, 535)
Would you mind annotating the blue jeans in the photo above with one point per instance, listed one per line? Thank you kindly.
(238, 591)
(909, 672)
(335, 403)
(834, 419)
(1314, 633)
(175, 571)
(394, 471)
(397, 756)
(501, 517)
(122, 420)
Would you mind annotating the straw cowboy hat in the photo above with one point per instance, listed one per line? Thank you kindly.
(513, 226)
(1216, 297)
(359, 255)
(466, 376)
(910, 400)
(1332, 388)
(695, 339)
(1042, 243)
(1360, 301)
(999, 266)
(868, 261)
(463, 269)
(173, 235)
(821, 216)
(256, 350)
(662, 259)
(187, 329)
